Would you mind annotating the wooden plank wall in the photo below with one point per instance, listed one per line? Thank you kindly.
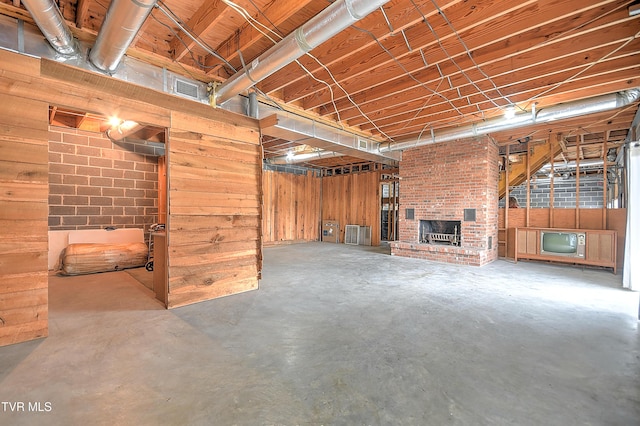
(561, 218)
(291, 211)
(214, 241)
(27, 87)
(24, 193)
(353, 199)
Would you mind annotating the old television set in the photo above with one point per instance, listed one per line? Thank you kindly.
(562, 243)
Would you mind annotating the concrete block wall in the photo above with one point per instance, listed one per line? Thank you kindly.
(564, 193)
(94, 183)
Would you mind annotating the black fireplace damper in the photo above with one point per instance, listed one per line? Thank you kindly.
(440, 232)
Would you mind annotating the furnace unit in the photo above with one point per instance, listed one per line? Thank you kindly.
(330, 231)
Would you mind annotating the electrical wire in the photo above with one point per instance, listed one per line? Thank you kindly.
(256, 24)
(587, 68)
(161, 6)
(446, 52)
(468, 52)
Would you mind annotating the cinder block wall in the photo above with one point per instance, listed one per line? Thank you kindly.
(564, 193)
(94, 183)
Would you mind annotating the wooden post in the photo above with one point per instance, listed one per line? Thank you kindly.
(528, 183)
(578, 140)
(604, 179)
(506, 193)
(552, 180)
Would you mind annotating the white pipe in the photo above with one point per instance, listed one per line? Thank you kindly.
(122, 22)
(48, 18)
(498, 124)
(335, 18)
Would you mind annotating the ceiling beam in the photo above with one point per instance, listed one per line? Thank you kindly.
(247, 36)
(210, 13)
(82, 9)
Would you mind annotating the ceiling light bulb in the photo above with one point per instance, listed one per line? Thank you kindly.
(290, 155)
(114, 121)
(509, 112)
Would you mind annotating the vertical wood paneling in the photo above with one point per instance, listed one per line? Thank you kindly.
(214, 229)
(23, 219)
(353, 199)
(291, 207)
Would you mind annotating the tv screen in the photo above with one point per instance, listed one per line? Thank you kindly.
(559, 242)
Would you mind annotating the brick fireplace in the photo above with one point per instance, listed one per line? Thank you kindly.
(449, 203)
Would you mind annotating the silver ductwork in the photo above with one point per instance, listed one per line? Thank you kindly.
(122, 22)
(301, 158)
(292, 127)
(335, 18)
(557, 112)
(48, 18)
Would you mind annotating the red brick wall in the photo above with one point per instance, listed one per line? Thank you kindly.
(439, 182)
(94, 183)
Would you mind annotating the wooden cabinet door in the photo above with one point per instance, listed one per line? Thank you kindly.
(527, 241)
(600, 246)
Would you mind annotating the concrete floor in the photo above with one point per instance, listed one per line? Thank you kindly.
(338, 335)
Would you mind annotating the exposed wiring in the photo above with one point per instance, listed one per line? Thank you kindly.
(453, 61)
(161, 6)
(585, 69)
(468, 52)
(263, 29)
(406, 71)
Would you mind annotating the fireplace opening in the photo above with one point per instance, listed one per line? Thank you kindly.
(445, 232)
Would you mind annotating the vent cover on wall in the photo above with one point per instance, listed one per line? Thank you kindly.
(351, 234)
(187, 89)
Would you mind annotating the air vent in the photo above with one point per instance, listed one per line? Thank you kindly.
(362, 144)
(187, 89)
(351, 234)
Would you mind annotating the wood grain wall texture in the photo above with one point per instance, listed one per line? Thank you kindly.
(23, 219)
(291, 211)
(214, 215)
(353, 199)
(223, 147)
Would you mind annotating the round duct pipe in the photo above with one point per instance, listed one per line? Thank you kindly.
(557, 112)
(48, 18)
(335, 18)
(122, 22)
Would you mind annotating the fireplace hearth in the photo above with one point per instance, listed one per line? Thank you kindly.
(447, 232)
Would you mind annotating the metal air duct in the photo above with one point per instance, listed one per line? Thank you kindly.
(300, 158)
(122, 22)
(557, 112)
(335, 18)
(48, 18)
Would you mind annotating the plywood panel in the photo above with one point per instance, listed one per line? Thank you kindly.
(291, 207)
(617, 221)
(539, 218)
(590, 218)
(564, 218)
(214, 209)
(23, 219)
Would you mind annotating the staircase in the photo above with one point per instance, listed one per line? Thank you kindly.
(538, 156)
